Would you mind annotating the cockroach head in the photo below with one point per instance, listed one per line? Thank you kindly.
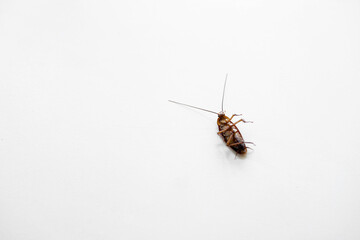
(221, 114)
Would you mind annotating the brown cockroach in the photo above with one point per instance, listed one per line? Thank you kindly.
(227, 129)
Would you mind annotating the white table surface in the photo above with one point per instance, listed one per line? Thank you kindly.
(90, 148)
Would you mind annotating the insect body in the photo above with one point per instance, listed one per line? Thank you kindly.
(227, 129)
(230, 133)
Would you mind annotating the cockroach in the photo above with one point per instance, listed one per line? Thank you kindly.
(227, 129)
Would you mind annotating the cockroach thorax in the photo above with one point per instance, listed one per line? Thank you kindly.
(222, 118)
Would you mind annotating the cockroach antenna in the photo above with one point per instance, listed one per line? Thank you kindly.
(193, 107)
(222, 101)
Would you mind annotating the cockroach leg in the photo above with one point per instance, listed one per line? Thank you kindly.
(242, 120)
(230, 139)
(234, 144)
(233, 116)
(238, 143)
(224, 130)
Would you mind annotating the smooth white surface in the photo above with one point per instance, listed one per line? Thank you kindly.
(90, 148)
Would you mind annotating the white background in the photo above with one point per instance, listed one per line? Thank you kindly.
(90, 148)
